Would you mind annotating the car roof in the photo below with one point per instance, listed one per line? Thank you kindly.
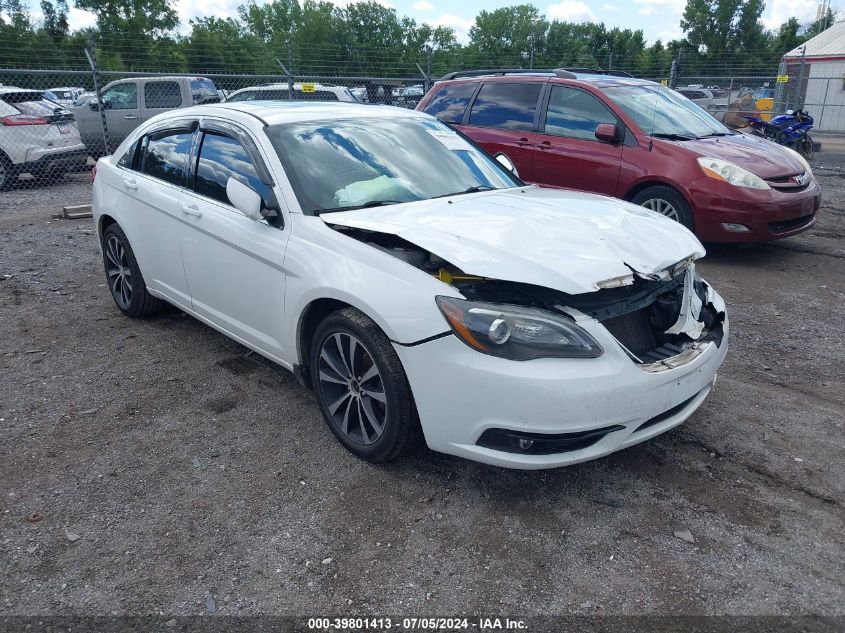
(7, 89)
(276, 112)
(297, 85)
(597, 79)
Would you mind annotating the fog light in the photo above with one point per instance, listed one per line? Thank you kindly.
(735, 228)
(525, 444)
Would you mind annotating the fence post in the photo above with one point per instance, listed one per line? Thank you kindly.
(91, 54)
(799, 96)
(826, 92)
(428, 54)
(291, 93)
(673, 74)
(288, 76)
(730, 92)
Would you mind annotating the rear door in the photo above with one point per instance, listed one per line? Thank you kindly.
(502, 118)
(567, 153)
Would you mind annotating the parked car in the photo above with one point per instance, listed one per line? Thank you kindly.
(83, 98)
(37, 136)
(360, 94)
(638, 141)
(410, 96)
(63, 96)
(129, 102)
(302, 92)
(377, 254)
(699, 96)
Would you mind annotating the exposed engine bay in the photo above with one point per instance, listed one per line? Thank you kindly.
(660, 321)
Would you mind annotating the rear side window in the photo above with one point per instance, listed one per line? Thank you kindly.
(221, 157)
(162, 94)
(166, 155)
(575, 113)
(450, 102)
(128, 159)
(204, 91)
(509, 106)
(271, 95)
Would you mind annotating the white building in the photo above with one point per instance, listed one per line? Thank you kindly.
(823, 85)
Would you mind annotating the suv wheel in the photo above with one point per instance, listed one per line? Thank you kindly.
(666, 201)
(8, 176)
(362, 389)
(123, 275)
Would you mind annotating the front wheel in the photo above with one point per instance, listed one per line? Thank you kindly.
(807, 148)
(666, 201)
(124, 277)
(362, 389)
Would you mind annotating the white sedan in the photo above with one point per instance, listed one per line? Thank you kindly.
(416, 284)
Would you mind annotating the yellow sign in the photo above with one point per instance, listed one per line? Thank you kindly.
(309, 88)
(664, 82)
(782, 79)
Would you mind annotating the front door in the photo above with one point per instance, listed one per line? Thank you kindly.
(233, 264)
(123, 113)
(567, 152)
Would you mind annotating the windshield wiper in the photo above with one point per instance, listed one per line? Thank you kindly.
(473, 189)
(712, 134)
(673, 137)
(366, 205)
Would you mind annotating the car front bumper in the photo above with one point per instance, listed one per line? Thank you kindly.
(720, 209)
(461, 393)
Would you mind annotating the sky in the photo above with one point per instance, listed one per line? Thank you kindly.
(659, 19)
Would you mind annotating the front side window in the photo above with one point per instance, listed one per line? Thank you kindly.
(166, 155)
(509, 106)
(575, 113)
(221, 157)
(662, 112)
(352, 163)
(450, 102)
(162, 94)
(121, 97)
(246, 95)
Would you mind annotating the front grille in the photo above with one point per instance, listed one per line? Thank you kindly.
(633, 330)
(788, 225)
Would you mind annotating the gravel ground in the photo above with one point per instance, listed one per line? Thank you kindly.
(200, 478)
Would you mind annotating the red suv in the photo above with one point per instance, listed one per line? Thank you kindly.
(636, 140)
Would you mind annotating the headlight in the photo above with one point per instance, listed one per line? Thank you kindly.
(800, 159)
(733, 174)
(515, 332)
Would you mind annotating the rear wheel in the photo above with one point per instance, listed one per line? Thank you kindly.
(666, 201)
(362, 388)
(8, 175)
(124, 277)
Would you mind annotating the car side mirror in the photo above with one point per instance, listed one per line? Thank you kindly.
(507, 163)
(245, 199)
(93, 105)
(607, 132)
(790, 112)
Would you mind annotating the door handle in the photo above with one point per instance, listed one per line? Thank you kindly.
(130, 116)
(523, 142)
(130, 183)
(192, 210)
(545, 145)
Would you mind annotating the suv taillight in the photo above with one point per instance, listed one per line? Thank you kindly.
(23, 119)
(93, 173)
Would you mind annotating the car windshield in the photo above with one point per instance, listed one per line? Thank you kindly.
(662, 112)
(353, 163)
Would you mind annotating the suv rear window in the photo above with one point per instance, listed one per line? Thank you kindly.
(204, 91)
(450, 102)
(509, 106)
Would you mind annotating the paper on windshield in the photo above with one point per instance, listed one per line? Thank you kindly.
(450, 140)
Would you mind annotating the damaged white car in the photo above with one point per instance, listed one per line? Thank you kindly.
(413, 282)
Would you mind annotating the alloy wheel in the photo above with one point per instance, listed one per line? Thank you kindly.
(663, 207)
(118, 272)
(352, 388)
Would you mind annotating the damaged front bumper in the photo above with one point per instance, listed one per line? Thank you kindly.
(552, 412)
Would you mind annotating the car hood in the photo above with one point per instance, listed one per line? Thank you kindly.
(758, 155)
(566, 240)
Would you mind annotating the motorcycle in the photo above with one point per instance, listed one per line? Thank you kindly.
(790, 130)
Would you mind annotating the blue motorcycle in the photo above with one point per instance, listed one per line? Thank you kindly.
(791, 130)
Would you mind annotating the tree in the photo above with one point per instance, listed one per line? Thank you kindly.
(510, 35)
(55, 19)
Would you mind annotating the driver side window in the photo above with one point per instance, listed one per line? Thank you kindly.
(121, 97)
(219, 158)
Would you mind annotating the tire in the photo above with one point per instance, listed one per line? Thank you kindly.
(806, 147)
(352, 406)
(8, 174)
(668, 202)
(123, 276)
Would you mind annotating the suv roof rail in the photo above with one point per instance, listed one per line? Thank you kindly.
(599, 71)
(559, 72)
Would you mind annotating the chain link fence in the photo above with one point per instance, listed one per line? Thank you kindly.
(55, 122)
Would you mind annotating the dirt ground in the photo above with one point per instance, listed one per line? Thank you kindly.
(201, 479)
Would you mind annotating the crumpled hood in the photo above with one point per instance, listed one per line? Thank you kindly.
(565, 240)
(758, 155)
